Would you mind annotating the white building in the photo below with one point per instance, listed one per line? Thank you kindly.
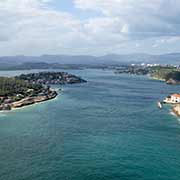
(173, 99)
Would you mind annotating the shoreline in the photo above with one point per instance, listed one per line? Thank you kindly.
(176, 110)
(23, 107)
(32, 88)
(28, 101)
(157, 79)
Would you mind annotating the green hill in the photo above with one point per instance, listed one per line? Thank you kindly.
(12, 86)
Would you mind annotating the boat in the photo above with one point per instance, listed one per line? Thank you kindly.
(159, 104)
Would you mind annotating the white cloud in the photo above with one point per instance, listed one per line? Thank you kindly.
(32, 27)
(125, 29)
(29, 24)
(142, 17)
(166, 41)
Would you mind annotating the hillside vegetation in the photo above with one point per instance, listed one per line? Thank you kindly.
(170, 74)
(164, 73)
(12, 86)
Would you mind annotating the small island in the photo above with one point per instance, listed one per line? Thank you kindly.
(50, 78)
(27, 89)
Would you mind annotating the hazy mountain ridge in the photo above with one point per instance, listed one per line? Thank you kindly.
(109, 59)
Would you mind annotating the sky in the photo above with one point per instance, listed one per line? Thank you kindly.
(93, 27)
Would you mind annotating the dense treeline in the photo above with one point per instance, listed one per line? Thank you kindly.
(173, 75)
(170, 74)
(47, 78)
(162, 72)
(12, 86)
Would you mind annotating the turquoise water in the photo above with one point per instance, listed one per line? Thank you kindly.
(107, 129)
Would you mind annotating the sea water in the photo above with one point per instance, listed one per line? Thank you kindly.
(107, 129)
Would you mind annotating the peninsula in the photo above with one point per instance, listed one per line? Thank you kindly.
(27, 89)
(168, 73)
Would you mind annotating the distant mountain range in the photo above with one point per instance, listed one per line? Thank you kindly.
(110, 59)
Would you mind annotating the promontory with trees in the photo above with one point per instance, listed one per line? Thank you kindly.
(169, 74)
(28, 89)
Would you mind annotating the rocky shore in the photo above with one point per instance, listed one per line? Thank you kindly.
(176, 110)
(173, 82)
(29, 101)
(33, 100)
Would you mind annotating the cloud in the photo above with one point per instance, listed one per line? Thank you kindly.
(34, 27)
(30, 24)
(166, 40)
(141, 17)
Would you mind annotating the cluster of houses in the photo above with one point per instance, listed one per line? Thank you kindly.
(155, 64)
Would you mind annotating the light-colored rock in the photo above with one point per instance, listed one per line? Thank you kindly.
(176, 109)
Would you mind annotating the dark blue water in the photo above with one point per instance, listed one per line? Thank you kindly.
(107, 129)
